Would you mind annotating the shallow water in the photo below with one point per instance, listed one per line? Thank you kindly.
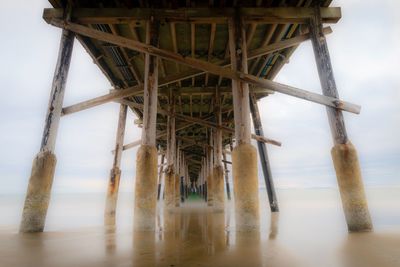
(309, 231)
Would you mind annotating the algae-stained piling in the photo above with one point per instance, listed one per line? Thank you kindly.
(146, 188)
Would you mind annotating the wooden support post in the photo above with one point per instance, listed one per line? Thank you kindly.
(115, 173)
(263, 153)
(43, 167)
(187, 183)
(226, 172)
(146, 161)
(169, 190)
(210, 166)
(160, 175)
(244, 156)
(218, 171)
(182, 178)
(177, 175)
(344, 154)
(205, 179)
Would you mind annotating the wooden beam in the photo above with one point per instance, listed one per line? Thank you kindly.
(132, 66)
(119, 140)
(193, 44)
(278, 15)
(150, 86)
(240, 89)
(328, 84)
(161, 134)
(201, 122)
(210, 47)
(263, 153)
(210, 67)
(174, 46)
(226, 172)
(54, 109)
(117, 94)
(171, 141)
(218, 133)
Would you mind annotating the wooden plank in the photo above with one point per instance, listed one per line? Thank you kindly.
(210, 67)
(278, 15)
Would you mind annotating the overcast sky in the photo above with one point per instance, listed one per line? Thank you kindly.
(365, 52)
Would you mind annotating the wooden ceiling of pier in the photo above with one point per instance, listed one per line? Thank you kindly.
(193, 28)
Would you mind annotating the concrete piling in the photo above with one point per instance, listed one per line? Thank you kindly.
(38, 194)
(218, 189)
(169, 189)
(351, 187)
(146, 188)
(245, 188)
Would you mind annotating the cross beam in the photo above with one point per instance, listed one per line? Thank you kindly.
(118, 94)
(201, 122)
(208, 67)
(275, 15)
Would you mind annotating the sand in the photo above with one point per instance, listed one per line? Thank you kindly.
(310, 230)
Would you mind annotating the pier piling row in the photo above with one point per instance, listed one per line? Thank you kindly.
(193, 74)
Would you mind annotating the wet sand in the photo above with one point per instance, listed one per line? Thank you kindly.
(305, 233)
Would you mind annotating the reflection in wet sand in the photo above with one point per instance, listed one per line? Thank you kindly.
(274, 225)
(371, 250)
(196, 235)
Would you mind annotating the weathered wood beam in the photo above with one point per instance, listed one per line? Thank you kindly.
(218, 133)
(240, 89)
(119, 140)
(201, 122)
(160, 175)
(210, 47)
(278, 15)
(150, 86)
(193, 44)
(327, 80)
(132, 65)
(226, 172)
(210, 67)
(171, 141)
(117, 94)
(54, 110)
(175, 46)
(162, 134)
(263, 153)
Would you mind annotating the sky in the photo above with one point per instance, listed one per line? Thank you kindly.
(365, 52)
